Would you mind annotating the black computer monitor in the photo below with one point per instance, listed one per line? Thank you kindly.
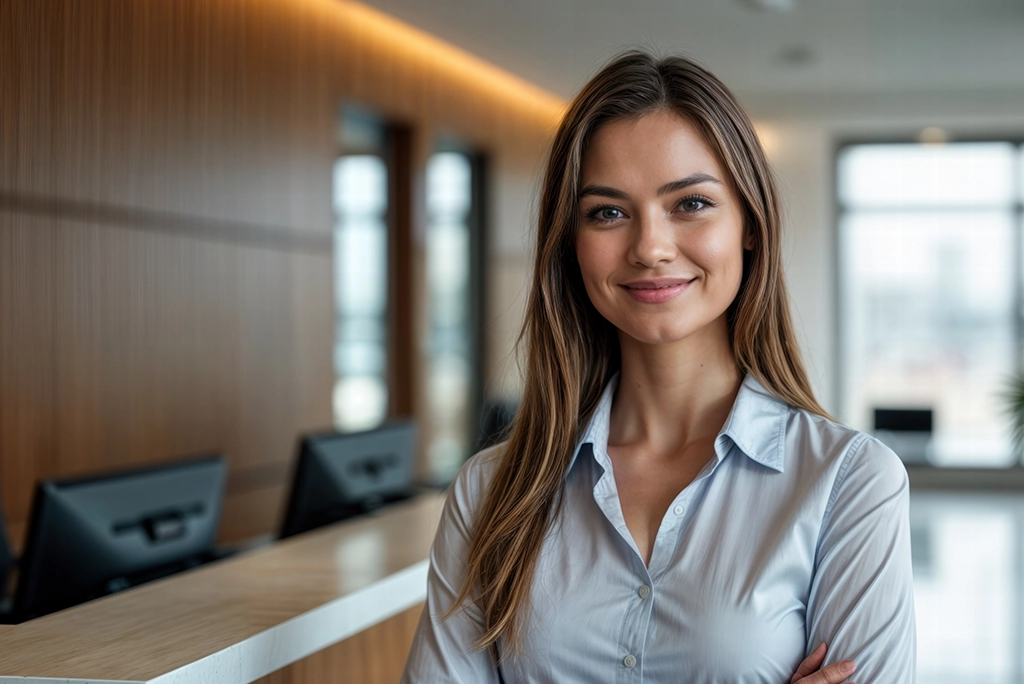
(907, 431)
(91, 536)
(903, 419)
(338, 475)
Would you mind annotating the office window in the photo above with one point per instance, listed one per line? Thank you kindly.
(454, 291)
(930, 270)
(360, 193)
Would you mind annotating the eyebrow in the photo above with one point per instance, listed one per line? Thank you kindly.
(674, 186)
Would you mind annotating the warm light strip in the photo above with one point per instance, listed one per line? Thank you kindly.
(424, 47)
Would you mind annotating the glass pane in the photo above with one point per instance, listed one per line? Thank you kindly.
(912, 175)
(360, 244)
(360, 186)
(927, 322)
(362, 260)
(450, 339)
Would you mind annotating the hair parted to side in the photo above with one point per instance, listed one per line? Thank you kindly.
(571, 351)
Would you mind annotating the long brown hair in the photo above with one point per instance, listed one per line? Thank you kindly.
(571, 351)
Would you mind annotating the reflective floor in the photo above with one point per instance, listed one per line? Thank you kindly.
(968, 554)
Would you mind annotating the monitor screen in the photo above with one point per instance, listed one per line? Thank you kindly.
(340, 475)
(903, 419)
(95, 535)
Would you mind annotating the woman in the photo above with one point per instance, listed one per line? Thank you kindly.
(672, 504)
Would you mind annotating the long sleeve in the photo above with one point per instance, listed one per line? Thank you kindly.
(443, 650)
(861, 600)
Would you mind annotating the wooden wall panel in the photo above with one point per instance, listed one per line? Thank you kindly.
(125, 346)
(226, 109)
(166, 281)
(374, 656)
(184, 106)
(254, 511)
(27, 346)
(165, 223)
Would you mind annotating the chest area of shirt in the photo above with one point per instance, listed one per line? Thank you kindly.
(619, 625)
(735, 558)
(647, 487)
(713, 545)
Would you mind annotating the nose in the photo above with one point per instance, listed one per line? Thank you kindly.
(653, 241)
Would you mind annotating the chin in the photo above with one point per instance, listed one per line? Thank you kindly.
(668, 327)
(658, 334)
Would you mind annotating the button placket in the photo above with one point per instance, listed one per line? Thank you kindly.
(636, 625)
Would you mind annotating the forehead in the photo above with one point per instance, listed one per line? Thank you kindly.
(651, 149)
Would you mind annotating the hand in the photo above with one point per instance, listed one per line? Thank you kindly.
(809, 672)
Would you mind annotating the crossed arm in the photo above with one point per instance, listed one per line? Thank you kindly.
(861, 601)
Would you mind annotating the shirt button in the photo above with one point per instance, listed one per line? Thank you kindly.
(629, 661)
(644, 591)
(678, 510)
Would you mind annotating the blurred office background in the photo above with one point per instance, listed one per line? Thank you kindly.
(227, 222)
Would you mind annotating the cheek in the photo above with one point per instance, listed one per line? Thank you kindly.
(597, 257)
(721, 254)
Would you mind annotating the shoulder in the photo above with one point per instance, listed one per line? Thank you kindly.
(868, 501)
(470, 485)
(871, 470)
(859, 472)
(844, 451)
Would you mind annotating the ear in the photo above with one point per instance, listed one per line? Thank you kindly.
(748, 239)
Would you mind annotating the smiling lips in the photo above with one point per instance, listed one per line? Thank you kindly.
(656, 290)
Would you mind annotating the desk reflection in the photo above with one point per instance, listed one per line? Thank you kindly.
(968, 553)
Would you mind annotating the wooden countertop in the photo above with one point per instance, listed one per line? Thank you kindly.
(241, 618)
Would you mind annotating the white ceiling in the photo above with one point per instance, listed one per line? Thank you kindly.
(823, 47)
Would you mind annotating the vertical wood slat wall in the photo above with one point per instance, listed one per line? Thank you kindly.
(165, 223)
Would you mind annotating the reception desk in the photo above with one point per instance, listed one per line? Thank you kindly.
(335, 605)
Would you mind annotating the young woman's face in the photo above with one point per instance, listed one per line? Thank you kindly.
(661, 236)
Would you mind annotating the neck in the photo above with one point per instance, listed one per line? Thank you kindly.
(672, 395)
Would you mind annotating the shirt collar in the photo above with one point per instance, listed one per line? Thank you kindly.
(756, 425)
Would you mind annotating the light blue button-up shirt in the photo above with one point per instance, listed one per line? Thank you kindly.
(796, 532)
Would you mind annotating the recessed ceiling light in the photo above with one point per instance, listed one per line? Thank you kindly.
(933, 135)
